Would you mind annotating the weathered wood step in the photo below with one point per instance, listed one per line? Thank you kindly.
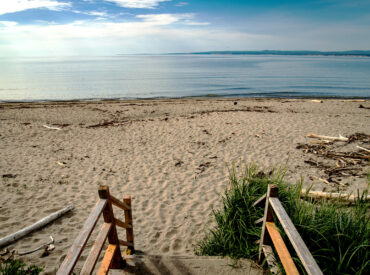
(158, 265)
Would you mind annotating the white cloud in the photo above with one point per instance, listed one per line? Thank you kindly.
(97, 13)
(92, 13)
(181, 4)
(195, 23)
(164, 18)
(9, 6)
(161, 33)
(138, 4)
(152, 34)
(8, 23)
(170, 18)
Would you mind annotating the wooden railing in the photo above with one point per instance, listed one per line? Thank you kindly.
(270, 233)
(113, 257)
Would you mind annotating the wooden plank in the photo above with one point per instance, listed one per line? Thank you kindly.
(259, 221)
(128, 220)
(122, 224)
(271, 259)
(124, 243)
(261, 200)
(300, 247)
(119, 203)
(272, 191)
(107, 260)
(91, 260)
(78, 245)
(281, 249)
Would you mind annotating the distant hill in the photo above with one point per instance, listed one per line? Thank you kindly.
(271, 52)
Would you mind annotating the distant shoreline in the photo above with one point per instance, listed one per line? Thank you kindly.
(205, 97)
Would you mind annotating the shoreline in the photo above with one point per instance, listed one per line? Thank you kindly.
(205, 97)
(171, 155)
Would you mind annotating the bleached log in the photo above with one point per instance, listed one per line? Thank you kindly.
(340, 138)
(354, 100)
(52, 128)
(41, 223)
(317, 101)
(329, 195)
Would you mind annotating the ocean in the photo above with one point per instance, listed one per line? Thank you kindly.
(173, 76)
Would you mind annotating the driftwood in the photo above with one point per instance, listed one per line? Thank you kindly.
(341, 164)
(362, 148)
(354, 100)
(60, 163)
(322, 180)
(328, 195)
(321, 141)
(17, 235)
(340, 138)
(52, 128)
(48, 246)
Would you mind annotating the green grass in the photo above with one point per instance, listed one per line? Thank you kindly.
(17, 267)
(337, 236)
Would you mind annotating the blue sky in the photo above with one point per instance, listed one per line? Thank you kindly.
(109, 27)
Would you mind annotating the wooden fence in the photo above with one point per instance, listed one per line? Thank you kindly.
(113, 257)
(270, 233)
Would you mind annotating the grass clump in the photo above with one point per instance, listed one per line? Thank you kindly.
(338, 237)
(17, 267)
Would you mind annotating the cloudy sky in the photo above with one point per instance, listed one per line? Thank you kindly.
(109, 27)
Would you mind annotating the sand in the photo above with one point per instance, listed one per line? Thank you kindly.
(172, 156)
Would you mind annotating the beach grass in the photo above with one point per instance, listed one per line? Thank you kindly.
(336, 235)
(17, 267)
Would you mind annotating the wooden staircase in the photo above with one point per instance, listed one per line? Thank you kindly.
(113, 263)
(117, 263)
(113, 256)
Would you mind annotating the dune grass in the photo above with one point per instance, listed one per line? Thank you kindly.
(336, 235)
(17, 267)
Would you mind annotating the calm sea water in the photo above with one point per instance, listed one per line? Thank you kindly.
(30, 79)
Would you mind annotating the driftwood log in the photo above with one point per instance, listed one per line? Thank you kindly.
(354, 100)
(51, 128)
(334, 196)
(41, 223)
(340, 138)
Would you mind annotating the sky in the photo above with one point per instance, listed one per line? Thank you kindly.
(110, 27)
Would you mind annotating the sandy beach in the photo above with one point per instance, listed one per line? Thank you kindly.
(172, 156)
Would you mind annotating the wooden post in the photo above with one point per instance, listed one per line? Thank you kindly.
(128, 220)
(117, 261)
(272, 191)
